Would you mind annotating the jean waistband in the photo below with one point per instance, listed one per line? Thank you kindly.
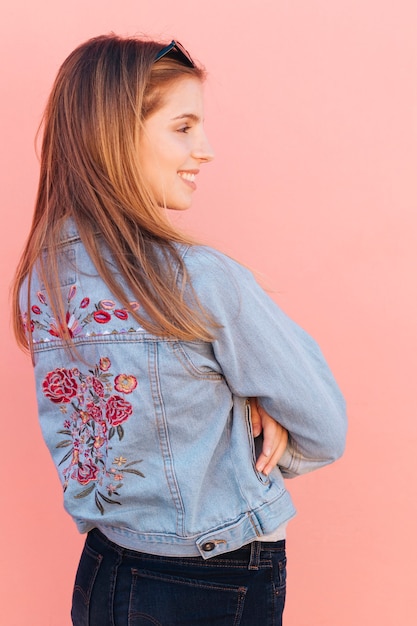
(251, 554)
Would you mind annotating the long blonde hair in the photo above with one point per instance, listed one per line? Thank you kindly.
(90, 171)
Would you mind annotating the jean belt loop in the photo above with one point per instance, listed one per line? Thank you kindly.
(255, 553)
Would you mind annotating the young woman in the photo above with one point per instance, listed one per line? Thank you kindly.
(157, 360)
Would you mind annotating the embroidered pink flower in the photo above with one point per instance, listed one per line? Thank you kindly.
(56, 329)
(84, 303)
(98, 387)
(73, 325)
(101, 317)
(104, 363)
(86, 473)
(59, 385)
(118, 410)
(71, 292)
(25, 319)
(125, 383)
(107, 304)
(85, 417)
(121, 314)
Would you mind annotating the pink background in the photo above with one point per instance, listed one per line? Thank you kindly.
(312, 110)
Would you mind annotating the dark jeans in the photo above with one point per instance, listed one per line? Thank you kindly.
(119, 587)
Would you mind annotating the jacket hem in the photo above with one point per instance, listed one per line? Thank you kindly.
(250, 526)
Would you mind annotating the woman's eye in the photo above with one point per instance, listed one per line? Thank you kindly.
(184, 129)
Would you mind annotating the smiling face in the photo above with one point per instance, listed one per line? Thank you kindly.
(173, 145)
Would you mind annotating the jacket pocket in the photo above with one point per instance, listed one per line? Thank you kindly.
(256, 445)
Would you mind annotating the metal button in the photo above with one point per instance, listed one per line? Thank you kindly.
(208, 546)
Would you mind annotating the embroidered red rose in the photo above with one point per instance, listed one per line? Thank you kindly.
(102, 317)
(94, 411)
(98, 387)
(125, 383)
(60, 385)
(86, 473)
(118, 410)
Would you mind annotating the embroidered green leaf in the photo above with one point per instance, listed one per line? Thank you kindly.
(67, 456)
(112, 432)
(64, 444)
(94, 396)
(98, 504)
(63, 432)
(86, 492)
(134, 471)
(106, 499)
(133, 463)
(120, 432)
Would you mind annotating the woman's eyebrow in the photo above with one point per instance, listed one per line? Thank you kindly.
(190, 116)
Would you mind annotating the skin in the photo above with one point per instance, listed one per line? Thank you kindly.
(275, 437)
(173, 147)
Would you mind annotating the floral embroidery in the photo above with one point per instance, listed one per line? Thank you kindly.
(59, 385)
(96, 415)
(78, 317)
(125, 383)
(104, 364)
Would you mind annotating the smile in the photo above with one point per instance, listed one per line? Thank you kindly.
(188, 176)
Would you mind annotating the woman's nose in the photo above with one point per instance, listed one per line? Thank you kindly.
(203, 151)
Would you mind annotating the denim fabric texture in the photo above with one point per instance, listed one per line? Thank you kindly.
(119, 587)
(151, 436)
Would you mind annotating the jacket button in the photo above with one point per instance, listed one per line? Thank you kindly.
(208, 546)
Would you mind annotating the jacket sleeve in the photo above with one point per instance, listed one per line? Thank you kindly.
(264, 354)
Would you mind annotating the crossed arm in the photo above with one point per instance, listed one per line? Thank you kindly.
(275, 438)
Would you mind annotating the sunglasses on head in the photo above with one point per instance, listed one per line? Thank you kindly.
(178, 52)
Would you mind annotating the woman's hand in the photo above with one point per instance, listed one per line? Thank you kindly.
(275, 437)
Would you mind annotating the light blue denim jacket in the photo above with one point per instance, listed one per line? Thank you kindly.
(151, 436)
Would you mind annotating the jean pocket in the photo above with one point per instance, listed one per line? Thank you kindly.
(84, 583)
(280, 573)
(158, 599)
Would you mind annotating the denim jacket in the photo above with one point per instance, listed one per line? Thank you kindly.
(151, 436)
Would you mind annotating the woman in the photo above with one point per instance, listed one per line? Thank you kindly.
(149, 352)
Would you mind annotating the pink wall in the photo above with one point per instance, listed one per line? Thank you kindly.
(312, 109)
